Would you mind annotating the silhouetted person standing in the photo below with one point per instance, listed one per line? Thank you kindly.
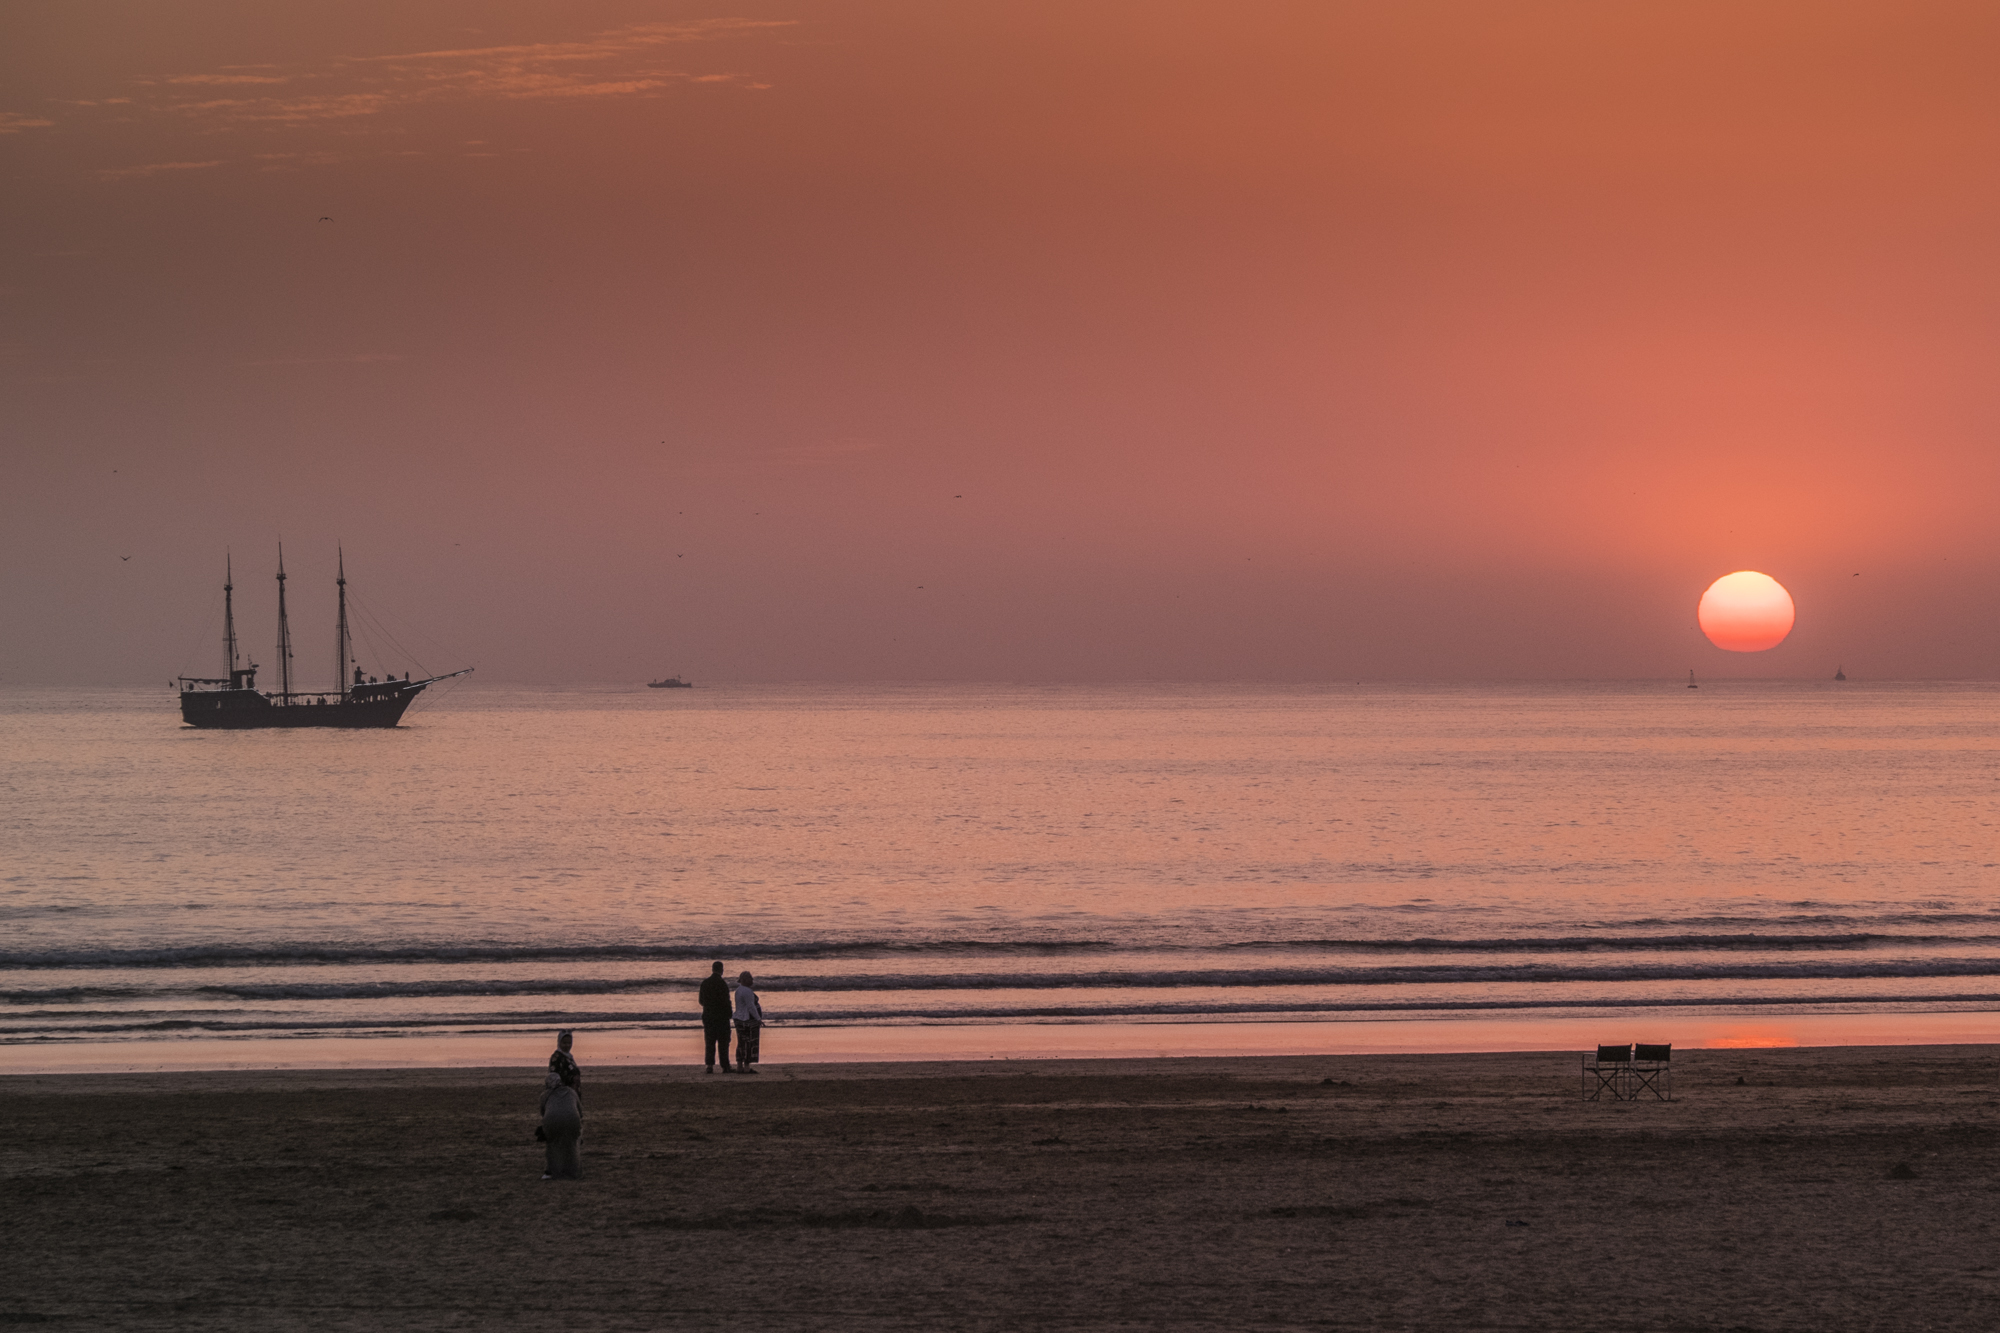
(717, 1008)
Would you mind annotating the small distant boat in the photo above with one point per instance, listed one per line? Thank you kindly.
(670, 683)
(1840, 673)
(1691, 684)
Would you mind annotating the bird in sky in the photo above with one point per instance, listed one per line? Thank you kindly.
(124, 557)
(326, 219)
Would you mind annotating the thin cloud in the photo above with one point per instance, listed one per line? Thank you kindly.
(368, 96)
(230, 78)
(614, 42)
(13, 123)
(617, 89)
(613, 64)
(297, 111)
(153, 169)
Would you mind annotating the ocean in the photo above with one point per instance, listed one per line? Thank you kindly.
(957, 870)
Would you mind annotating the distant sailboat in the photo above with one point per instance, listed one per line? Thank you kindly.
(1840, 673)
(1691, 684)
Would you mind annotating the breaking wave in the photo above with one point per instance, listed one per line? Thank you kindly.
(359, 954)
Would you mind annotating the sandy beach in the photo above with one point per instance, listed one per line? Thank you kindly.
(1833, 1187)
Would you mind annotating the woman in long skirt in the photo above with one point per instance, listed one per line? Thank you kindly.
(562, 1126)
(749, 1022)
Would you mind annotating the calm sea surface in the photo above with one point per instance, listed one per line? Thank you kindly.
(512, 859)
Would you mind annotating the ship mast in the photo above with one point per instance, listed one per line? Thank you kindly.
(340, 631)
(284, 635)
(229, 619)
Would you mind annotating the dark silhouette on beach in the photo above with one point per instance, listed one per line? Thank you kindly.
(716, 1010)
(562, 1129)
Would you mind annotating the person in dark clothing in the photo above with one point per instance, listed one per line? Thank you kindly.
(563, 1066)
(717, 1007)
(562, 1130)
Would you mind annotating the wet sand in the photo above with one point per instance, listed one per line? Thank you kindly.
(1849, 1187)
(974, 1042)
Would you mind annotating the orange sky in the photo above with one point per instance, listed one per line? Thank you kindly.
(882, 341)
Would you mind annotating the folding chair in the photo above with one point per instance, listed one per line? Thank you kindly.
(1652, 1071)
(1610, 1068)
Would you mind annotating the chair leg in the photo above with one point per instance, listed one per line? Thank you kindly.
(1658, 1081)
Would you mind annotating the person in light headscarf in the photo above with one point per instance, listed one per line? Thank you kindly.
(563, 1065)
(562, 1128)
(749, 1023)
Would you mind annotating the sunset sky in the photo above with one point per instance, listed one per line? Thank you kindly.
(1094, 341)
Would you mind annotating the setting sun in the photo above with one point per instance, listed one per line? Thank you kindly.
(1746, 612)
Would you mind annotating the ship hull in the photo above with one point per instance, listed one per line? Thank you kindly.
(248, 710)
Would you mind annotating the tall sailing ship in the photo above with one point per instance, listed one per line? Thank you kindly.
(234, 702)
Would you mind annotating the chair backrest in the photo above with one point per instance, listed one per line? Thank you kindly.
(1614, 1054)
(1656, 1054)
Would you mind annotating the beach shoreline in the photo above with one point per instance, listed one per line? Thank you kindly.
(1829, 1187)
(671, 1042)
